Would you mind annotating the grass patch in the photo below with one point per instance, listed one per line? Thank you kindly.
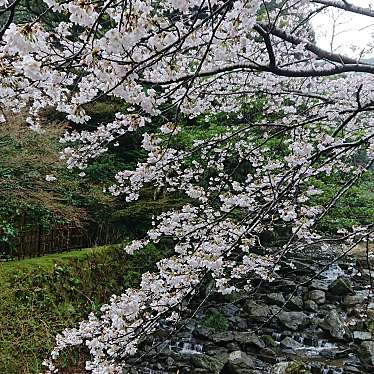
(216, 321)
(41, 296)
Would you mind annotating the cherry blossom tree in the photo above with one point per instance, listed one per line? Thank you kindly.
(177, 59)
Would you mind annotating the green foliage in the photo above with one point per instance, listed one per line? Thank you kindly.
(137, 216)
(355, 207)
(297, 367)
(215, 320)
(370, 326)
(27, 198)
(41, 296)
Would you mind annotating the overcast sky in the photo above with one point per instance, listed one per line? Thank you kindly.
(352, 31)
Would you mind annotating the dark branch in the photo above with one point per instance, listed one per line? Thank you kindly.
(346, 6)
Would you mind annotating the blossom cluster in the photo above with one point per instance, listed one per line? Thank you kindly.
(174, 59)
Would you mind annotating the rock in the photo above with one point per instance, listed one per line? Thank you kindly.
(327, 353)
(362, 335)
(310, 306)
(318, 296)
(269, 341)
(286, 284)
(238, 363)
(366, 354)
(341, 287)
(292, 367)
(238, 323)
(343, 353)
(232, 346)
(318, 284)
(257, 311)
(295, 303)
(276, 298)
(289, 343)
(359, 298)
(249, 340)
(203, 332)
(280, 368)
(293, 320)
(211, 364)
(334, 325)
(222, 337)
(349, 369)
(229, 310)
(268, 355)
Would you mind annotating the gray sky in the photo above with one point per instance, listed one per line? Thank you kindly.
(353, 33)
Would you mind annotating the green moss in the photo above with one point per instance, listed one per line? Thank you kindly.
(39, 297)
(297, 367)
(216, 321)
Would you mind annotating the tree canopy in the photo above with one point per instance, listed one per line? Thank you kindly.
(288, 113)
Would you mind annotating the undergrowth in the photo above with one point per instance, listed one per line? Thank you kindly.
(39, 297)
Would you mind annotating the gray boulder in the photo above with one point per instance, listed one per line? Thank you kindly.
(290, 367)
(362, 335)
(238, 363)
(341, 287)
(295, 303)
(210, 364)
(359, 298)
(249, 340)
(289, 343)
(311, 306)
(293, 320)
(276, 298)
(334, 325)
(317, 296)
(257, 311)
(367, 354)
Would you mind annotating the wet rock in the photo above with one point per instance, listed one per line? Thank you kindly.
(292, 367)
(362, 335)
(327, 353)
(367, 354)
(343, 353)
(318, 296)
(269, 341)
(334, 325)
(268, 355)
(319, 284)
(203, 332)
(238, 323)
(220, 353)
(238, 363)
(285, 284)
(289, 343)
(279, 368)
(359, 298)
(229, 310)
(349, 369)
(249, 340)
(222, 337)
(341, 287)
(311, 306)
(293, 320)
(257, 312)
(295, 303)
(276, 298)
(210, 364)
(232, 346)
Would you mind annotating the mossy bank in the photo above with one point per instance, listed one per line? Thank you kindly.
(41, 296)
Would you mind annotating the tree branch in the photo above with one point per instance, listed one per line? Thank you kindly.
(344, 5)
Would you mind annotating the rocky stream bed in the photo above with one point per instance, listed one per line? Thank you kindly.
(302, 323)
